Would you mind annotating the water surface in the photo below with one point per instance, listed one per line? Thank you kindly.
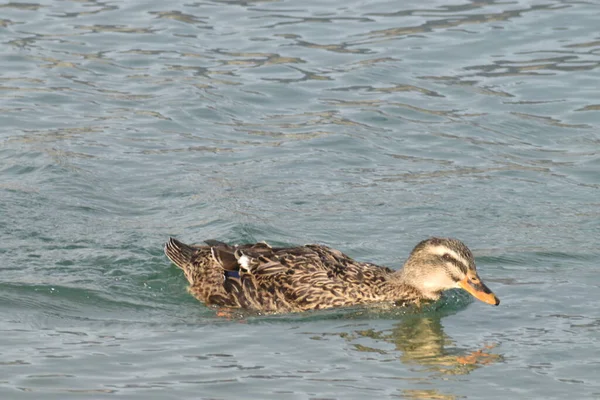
(366, 126)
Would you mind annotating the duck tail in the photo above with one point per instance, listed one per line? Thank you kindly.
(179, 253)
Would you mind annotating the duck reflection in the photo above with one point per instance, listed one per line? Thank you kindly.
(423, 342)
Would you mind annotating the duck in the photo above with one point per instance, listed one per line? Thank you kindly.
(268, 279)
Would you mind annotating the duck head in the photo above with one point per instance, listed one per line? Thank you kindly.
(439, 264)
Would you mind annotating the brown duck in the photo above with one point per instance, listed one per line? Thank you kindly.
(288, 279)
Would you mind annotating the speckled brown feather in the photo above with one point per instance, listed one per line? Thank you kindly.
(284, 279)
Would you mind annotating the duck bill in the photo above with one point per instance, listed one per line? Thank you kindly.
(479, 291)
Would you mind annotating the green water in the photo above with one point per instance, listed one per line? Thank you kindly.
(366, 126)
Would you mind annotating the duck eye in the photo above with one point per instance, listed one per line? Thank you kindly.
(447, 257)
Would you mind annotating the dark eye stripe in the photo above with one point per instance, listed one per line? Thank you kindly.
(456, 262)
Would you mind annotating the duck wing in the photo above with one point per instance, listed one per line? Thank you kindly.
(307, 277)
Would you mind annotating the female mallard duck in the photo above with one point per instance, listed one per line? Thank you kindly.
(289, 279)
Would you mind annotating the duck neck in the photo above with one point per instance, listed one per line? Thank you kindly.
(408, 280)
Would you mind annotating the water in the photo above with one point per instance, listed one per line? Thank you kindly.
(366, 126)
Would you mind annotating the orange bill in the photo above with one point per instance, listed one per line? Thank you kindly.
(479, 291)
